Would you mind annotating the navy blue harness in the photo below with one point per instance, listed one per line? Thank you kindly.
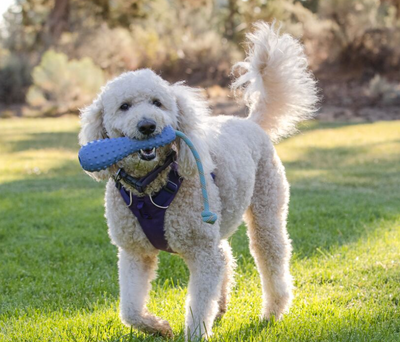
(150, 209)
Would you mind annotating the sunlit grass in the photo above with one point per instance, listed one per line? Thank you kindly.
(58, 273)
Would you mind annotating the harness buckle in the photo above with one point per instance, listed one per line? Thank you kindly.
(171, 187)
(117, 175)
(117, 178)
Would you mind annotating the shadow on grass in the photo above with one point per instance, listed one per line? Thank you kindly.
(357, 325)
(46, 140)
(346, 160)
(313, 125)
(54, 243)
(338, 196)
(347, 197)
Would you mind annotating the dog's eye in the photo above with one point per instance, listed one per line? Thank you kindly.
(125, 106)
(157, 103)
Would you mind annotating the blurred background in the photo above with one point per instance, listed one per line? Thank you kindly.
(56, 54)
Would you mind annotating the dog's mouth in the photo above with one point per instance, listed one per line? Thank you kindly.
(144, 154)
(148, 154)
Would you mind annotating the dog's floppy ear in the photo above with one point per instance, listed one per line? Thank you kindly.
(92, 129)
(193, 111)
(92, 123)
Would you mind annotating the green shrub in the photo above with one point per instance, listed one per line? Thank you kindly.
(377, 49)
(381, 89)
(353, 21)
(205, 57)
(14, 79)
(191, 53)
(113, 49)
(61, 86)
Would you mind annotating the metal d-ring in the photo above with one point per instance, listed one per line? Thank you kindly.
(117, 176)
(156, 205)
(130, 198)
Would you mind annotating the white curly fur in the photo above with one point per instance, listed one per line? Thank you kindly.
(278, 88)
(250, 180)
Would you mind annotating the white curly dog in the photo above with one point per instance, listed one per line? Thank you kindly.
(250, 179)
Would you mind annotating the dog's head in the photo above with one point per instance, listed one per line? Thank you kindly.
(139, 105)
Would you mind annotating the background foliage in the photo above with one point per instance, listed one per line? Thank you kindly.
(193, 40)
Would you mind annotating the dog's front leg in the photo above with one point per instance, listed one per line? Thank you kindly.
(136, 271)
(206, 268)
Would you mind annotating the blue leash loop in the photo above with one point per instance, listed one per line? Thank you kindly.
(207, 215)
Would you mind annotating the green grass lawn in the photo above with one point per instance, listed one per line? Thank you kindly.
(58, 271)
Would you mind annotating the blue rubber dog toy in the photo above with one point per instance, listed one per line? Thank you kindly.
(100, 154)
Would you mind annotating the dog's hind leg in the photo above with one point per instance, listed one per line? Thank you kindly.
(269, 241)
(228, 279)
(206, 266)
(136, 271)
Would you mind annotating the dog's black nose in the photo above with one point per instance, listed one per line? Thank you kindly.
(146, 126)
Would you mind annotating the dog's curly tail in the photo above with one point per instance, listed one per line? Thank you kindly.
(278, 88)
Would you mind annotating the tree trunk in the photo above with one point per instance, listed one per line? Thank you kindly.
(57, 21)
(396, 4)
(230, 20)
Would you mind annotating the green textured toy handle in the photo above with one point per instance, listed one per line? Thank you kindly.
(207, 215)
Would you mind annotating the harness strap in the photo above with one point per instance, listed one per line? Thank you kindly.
(140, 184)
(150, 210)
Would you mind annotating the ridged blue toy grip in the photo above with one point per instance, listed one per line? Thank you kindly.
(99, 154)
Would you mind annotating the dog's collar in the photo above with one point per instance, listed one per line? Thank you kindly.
(140, 184)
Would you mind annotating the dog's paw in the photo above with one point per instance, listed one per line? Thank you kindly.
(149, 324)
(198, 333)
(221, 313)
(155, 324)
(222, 306)
(277, 306)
